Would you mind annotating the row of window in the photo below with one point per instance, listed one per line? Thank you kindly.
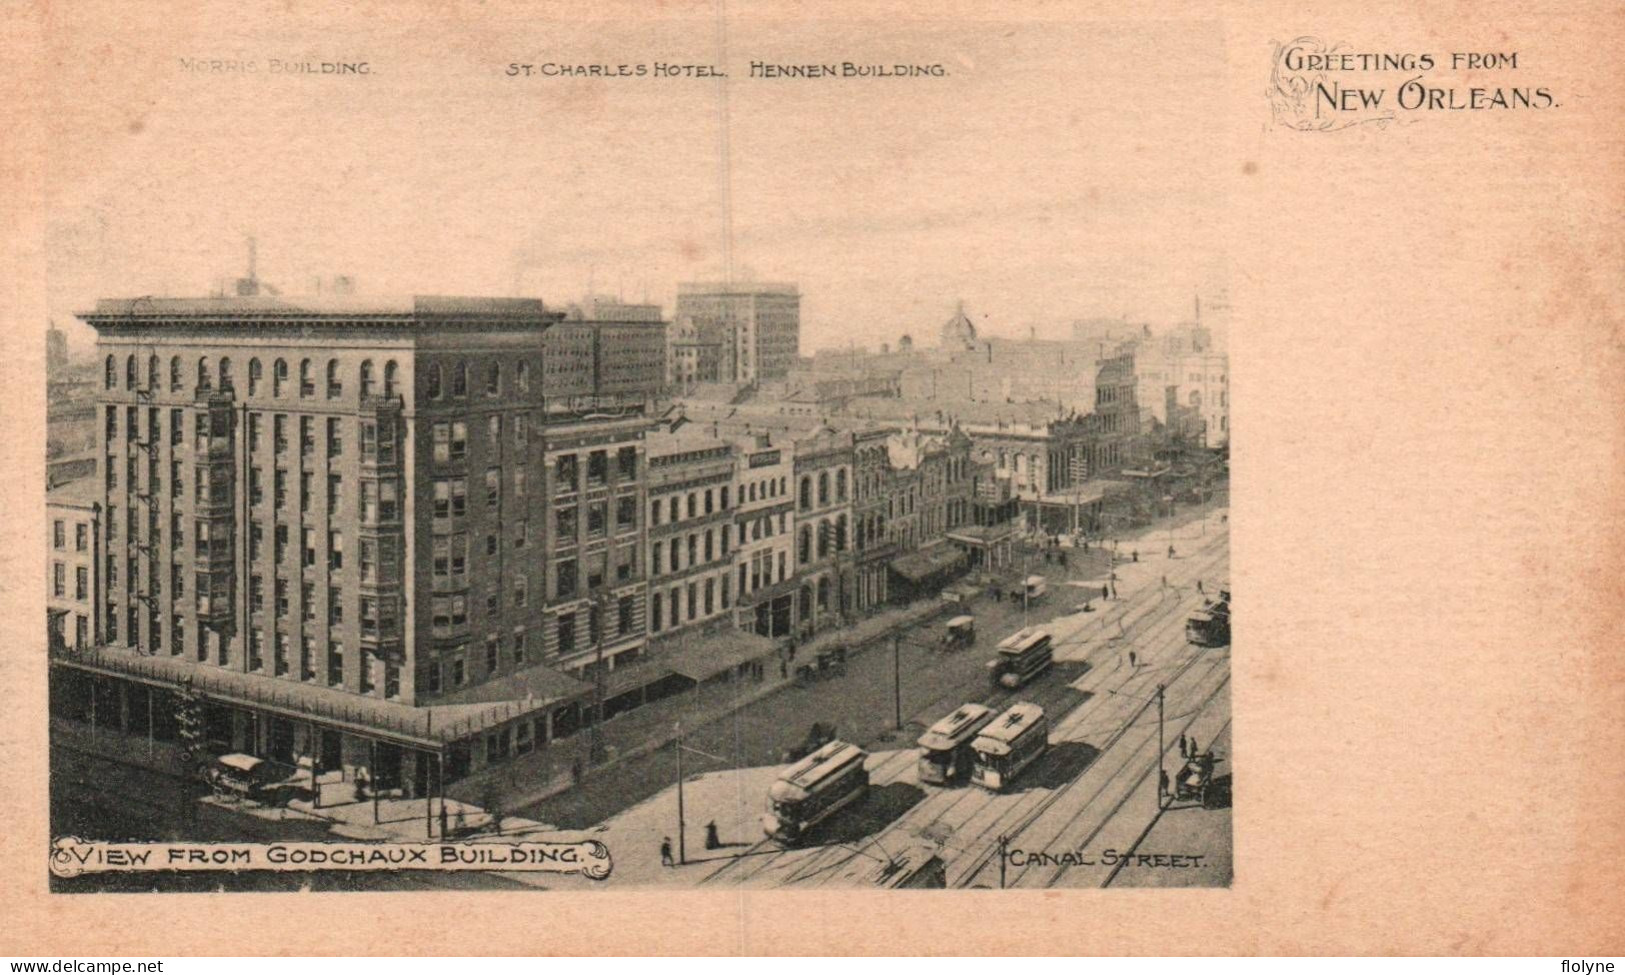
(672, 508)
(435, 385)
(281, 663)
(59, 536)
(377, 439)
(59, 582)
(661, 563)
(666, 609)
(280, 382)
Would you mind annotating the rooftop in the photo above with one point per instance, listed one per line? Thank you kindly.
(737, 288)
(82, 491)
(319, 306)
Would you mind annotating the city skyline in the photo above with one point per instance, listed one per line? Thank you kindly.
(1034, 203)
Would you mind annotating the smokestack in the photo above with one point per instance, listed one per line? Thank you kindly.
(253, 261)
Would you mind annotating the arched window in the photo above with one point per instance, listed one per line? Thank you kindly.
(224, 373)
(175, 374)
(805, 546)
(522, 376)
(840, 533)
(366, 379)
(129, 373)
(493, 379)
(823, 538)
(432, 382)
(111, 380)
(459, 380)
(823, 487)
(389, 378)
(823, 593)
(203, 373)
(840, 484)
(152, 374)
(307, 382)
(1002, 461)
(335, 383)
(279, 377)
(255, 373)
(806, 492)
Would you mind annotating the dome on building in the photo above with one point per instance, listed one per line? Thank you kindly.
(958, 332)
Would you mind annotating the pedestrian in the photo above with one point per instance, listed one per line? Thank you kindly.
(1182, 752)
(1105, 593)
(665, 853)
(1194, 752)
(1162, 785)
(1170, 551)
(1199, 585)
(711, 840)
(1114, 590)
(1165, 582)
(1136, 555)
(1133, 659)
(1063, 559)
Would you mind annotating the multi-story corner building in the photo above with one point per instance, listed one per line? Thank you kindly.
(823, 518)
(338, 520)
(930, 495)
(692, 509)
(690, 359)
(73, 575)
(757, 326)
(873, 483)
(764, 532)
(1203, 381)
(1117, 421)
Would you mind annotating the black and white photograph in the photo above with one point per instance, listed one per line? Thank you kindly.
(744, 504)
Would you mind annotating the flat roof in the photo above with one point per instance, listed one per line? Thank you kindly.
(722, 288)
(334, 306)
(81, 492)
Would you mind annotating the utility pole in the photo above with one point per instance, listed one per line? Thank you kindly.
(1162, 771)
(897, 677)
(598, 603)
(1004, 858)
(682, 849)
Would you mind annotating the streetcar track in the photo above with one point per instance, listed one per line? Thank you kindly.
(1145, 626)
(1128, 764)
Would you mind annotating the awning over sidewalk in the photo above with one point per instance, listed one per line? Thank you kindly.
(540, 684)
(371, 717)
(700, 656)
(920, 565)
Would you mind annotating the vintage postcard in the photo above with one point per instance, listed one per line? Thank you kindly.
(725, 459)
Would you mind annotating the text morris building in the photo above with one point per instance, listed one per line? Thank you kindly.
(340, 519)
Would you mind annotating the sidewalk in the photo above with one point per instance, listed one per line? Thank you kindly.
(547, 772)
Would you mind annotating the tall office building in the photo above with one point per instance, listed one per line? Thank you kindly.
(371, 508)
(757, 325)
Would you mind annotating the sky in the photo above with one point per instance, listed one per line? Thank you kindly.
(1057, 171)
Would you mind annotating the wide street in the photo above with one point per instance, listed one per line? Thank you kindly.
(1084, 791)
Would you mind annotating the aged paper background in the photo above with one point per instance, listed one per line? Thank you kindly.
(1427, 357)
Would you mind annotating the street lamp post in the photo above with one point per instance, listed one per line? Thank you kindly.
(1162, 770)
(897, 677)
(593, 748)
(682, 849)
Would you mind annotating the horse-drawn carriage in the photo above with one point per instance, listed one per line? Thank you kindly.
(1195, 778)
(827, 664)
(817, 737)
(959, 632)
